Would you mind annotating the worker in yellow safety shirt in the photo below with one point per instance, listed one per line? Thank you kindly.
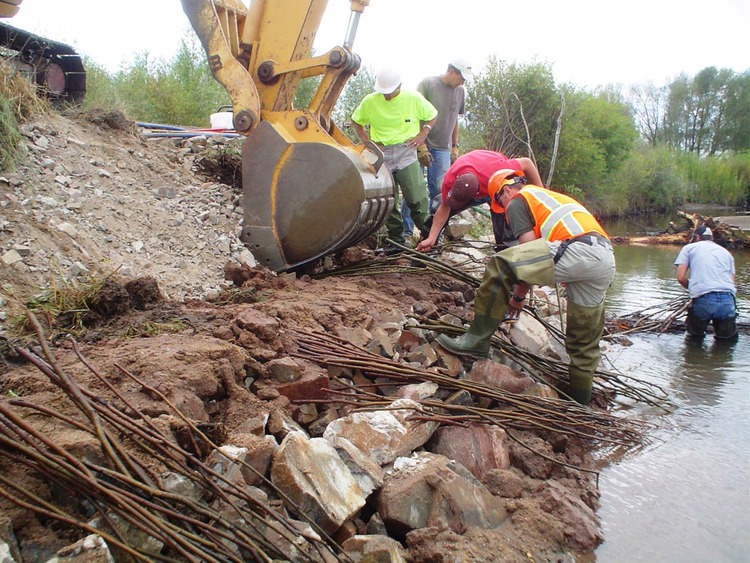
(559, 241)
(398, 121)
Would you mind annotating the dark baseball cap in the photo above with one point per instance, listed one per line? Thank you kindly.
(703, 232)
(464, 189)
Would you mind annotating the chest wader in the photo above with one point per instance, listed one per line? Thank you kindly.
(531, 263)
(582, 335)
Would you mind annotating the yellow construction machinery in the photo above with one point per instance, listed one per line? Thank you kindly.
(55, 67)
(308, 190)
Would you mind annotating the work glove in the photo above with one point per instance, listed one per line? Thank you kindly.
(424, 156)
(454, 154)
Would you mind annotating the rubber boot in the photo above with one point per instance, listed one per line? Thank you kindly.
(475, 341)
(582, 336)
(580, 384)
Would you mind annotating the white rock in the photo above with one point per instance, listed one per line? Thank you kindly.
(68, 229)
(11, 257)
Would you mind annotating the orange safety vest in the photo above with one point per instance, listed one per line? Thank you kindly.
(557, 216)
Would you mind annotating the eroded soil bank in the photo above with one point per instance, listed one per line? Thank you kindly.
(207, 334)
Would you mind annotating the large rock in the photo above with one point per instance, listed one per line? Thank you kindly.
(367, 473)
(478, 447)
(283, 369)
(374, 549)
(280, 424)
(316, 480)
(228, 461)
(431, 490)
(259, 323)
(418, 391)
(9, 552)
(582, 530)
(458, 227)
(90, 549)
(499, 376)
(311, 384)
(383, 435)
(258, 452)
(529, 334)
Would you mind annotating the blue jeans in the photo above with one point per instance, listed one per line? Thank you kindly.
(441, 161)
(717, 308)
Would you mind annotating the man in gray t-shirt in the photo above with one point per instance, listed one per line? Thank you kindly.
(447, 94)
(710, 284)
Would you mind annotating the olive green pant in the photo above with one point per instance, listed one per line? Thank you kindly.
(411, 183)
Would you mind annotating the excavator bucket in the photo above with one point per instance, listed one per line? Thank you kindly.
(308, 190)
(304, 200)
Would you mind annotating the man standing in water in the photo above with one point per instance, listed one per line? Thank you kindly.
(711, 285)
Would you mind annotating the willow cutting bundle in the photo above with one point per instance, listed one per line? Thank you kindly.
(418, 262)
(656, 318)
(555, 372)
(539, 366)
(123, 489)
(523, 412)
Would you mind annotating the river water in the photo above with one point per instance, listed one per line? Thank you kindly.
(685, 496)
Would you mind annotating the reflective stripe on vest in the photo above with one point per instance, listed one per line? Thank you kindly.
(559, 213)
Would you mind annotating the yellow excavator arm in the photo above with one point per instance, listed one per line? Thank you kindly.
(308, 190)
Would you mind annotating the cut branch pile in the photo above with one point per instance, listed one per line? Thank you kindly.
(664, 317)
(418, 262)
(656, 318)
(726, 235)
(544, 369)
(555, 372)
(227, 524)
(515, 411)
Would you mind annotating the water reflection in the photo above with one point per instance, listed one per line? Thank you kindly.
(645, 277)
(705, 366)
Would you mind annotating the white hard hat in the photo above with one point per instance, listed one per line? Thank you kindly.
(462, 66)
(387, 81)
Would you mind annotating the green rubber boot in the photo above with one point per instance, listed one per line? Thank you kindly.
(579, 388)
(475, 341)
(582, 336)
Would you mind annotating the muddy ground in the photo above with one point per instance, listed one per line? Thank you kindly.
(97, 200)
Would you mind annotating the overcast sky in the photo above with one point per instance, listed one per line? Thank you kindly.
(587, 42)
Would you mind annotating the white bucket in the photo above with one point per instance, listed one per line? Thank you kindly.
(222, 120)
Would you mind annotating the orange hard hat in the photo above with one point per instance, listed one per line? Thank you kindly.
(495, 186)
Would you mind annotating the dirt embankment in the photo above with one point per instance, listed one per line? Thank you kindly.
(92, 200)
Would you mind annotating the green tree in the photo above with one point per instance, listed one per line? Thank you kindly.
(582, 138)
(648, 105)
(649, 182)
(101, 91)
(305, 91)
(181, 91)
(597, 136)
(515, 110)
(734, 132)
(356, 88)
(708, 114)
